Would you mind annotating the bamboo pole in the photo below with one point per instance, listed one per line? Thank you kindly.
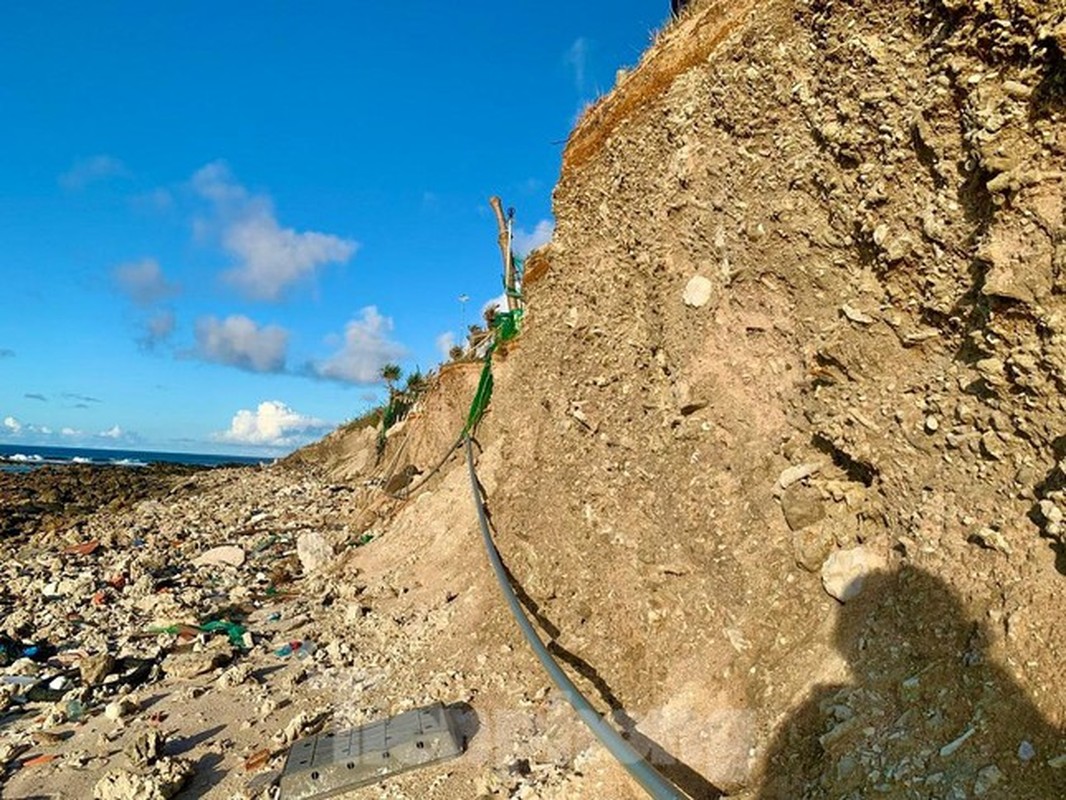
(504, 239)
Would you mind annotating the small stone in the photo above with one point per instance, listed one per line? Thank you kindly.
(1058, 762)
(235, 676)
(986, 779)
(802, 506)
(811, 546)
(955, 744)
(145, 749)
(1026, 751)
(95, 668)
(313, 550)
(798, 473)
(1051, 512)
(686, 403)
(910, 689)
(932, 424)
(856, 316)
(991, 539)
(226, 555)
(697, 291)
(992, 446)
(165, 780)
(117, 709)
(845, 571)
(216, 653)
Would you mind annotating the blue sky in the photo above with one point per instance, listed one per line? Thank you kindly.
(217, 220)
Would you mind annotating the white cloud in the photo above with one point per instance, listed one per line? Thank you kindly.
(70, 432)
(576, 58)
(15, 427)
(143, 281)
(114, 432)
(366, 349)
(523, 242)
(158, 200)
(270, 258)
(272, 424)
(239, 342)
(445, 342)
(88, 170)
(157, 328)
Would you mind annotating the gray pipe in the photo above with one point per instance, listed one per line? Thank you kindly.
(642, 772)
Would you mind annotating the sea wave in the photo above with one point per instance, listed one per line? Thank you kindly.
(80, 460)
(22, 457)
(128, 462)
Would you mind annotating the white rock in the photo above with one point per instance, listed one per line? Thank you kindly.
(855, 315)
(845, 571)
(313, 550)
(227, 554)
(697, 291)
(798, 473)
(117, 709)
(164, 781)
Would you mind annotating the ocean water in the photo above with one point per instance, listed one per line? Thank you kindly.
(22, 458)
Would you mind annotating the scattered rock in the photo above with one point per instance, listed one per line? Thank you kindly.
(1026, 751)
(845, 571)
(986, 779)
(798, 473)
(313, 550)
(802, 506)
(811, 546)
(227, 555)
(165, 779)
(991, 539)
(217, 652)
(94, 669)
(856, 316)
(120, 708)
(145, 748)
(697, 291)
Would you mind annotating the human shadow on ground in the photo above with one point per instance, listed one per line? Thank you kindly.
(928, 715)
(672, 768)
(177, 747)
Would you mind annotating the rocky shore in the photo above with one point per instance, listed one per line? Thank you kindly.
(145, 612)
(170, 632)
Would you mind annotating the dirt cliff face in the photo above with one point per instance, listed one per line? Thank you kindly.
(804, 307)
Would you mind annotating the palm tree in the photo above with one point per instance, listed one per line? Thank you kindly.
(390, 373)
(416, 383)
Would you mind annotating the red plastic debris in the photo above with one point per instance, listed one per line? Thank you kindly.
(83, 549)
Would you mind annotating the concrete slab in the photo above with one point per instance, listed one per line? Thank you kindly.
(332, 762)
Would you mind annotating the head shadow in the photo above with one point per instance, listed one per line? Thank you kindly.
(927, 709)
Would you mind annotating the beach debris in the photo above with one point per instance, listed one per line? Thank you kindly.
(224, 555)
(83, 549)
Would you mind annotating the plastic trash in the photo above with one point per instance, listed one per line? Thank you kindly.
(75, 710)
(302, 649)
(234, 631)
(12, 650)
(287, 649)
